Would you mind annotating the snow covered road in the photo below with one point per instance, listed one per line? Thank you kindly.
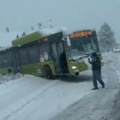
(103, 104)
(34, 98)
(30, 97)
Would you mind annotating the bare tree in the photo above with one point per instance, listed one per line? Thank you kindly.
(17, 36)
(7, 29)
(39, 25)
(23, 34)
(32, 28)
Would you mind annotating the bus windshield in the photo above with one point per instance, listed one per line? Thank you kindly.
(80, 47)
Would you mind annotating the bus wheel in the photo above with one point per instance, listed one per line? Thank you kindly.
(47, 72)
(77, 73)
(9, 70)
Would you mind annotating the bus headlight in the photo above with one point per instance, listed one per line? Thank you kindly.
(102, 61)
(74, 67)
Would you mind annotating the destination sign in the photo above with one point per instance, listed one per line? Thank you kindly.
(81, 34)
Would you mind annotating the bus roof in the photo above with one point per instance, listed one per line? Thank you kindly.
(27, 38)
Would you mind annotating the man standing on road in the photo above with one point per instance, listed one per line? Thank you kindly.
(96, 70)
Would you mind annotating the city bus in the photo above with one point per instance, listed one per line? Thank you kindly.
(51, 55)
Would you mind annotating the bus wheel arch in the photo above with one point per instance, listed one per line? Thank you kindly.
(47, 72)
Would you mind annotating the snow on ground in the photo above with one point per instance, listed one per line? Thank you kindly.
(38, 97)
(33, 98)
(102, 104)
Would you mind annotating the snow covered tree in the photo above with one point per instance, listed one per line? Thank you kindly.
(106, 37)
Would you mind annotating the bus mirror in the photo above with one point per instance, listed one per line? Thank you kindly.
(68, 41)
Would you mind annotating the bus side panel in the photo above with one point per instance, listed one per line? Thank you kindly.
(16, 60)
(5, 70)
(36, 68)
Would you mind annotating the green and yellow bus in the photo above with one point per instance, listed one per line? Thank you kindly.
(48, 56)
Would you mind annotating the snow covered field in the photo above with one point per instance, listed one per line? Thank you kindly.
(33, 98)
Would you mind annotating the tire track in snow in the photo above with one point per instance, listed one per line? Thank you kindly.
(19, 106)
(92, 107)
(114, 114)
(7, 90)
(29, 87)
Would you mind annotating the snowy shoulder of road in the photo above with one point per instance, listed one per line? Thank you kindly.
(34, 98)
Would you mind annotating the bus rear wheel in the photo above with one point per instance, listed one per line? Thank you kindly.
(47, 72)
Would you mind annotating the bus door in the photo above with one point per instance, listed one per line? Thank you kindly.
(56, 58)
(59, 57)
(16, 59)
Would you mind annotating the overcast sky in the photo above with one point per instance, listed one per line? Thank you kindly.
(20, 15)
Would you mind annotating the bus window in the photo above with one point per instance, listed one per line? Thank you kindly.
(89, 45)
(54, 50)
(24, 55)
(6, 59)
(94, 47)
(34, 53)
(44, 52)
(60, 48)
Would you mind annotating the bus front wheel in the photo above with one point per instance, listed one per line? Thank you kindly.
(47, 72)
(77, 73)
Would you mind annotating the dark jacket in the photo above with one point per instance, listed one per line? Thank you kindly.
(95, 62)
